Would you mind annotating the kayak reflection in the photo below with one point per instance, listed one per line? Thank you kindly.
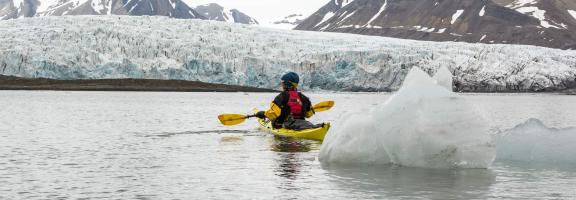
(289, 162)
(290, 144)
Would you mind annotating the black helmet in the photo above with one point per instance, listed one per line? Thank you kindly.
(290, 80)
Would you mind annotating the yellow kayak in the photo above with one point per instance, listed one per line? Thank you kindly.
(313, 134)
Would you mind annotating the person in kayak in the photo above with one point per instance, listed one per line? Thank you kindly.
(290, 108)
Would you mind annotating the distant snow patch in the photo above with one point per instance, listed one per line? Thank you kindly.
(379, 12)
(134, 6)
(324, 27)
(482, 38)
(370, 26)
(441, 30)
(326, 17)
(347, 15)
(455, 34)
(18, 3)
(424, 29)
(482, 11)
(573, 13)
(109, 7)
(346, 26)
(346, 2)
(45, 5)
(456, 15)
(99, 6)
(521, 3)
(538, 14)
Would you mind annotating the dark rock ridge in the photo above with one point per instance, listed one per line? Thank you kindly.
(548, 23)
(17, 83)
(216, 12)
(11, 9)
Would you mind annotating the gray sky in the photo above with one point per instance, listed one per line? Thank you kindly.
(266, 11)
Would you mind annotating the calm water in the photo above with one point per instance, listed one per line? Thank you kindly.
(131, 145)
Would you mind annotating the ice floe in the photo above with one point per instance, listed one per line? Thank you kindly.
(534, 142)
(424, 124)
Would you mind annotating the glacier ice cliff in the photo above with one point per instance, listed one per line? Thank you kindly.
(94, 47)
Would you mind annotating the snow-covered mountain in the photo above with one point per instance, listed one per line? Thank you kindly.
(550, 23)
(216, 12)
(92, 47)
(10, 9)
(290, 21)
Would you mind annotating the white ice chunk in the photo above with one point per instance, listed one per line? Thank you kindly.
(422, 125)
(444, 77)
(482, 11)
(533, 142)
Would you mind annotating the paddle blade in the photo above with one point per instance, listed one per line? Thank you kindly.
(231, 119)
(323, 106)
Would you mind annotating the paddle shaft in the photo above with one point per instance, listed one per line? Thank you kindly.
(234, 119)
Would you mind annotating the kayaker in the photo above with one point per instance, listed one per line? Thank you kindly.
(290, 108)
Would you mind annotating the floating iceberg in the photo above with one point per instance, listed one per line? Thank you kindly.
(424, 124)
(534, 142)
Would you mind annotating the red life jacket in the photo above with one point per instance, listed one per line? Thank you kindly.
(295, 104)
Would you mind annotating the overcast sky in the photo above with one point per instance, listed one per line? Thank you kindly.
(266, 11)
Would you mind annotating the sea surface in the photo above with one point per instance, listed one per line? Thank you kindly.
(148, 145)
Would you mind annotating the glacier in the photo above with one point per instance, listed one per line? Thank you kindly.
(150, 47)
(424, 124)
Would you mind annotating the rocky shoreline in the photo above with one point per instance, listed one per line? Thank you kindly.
(17, 83)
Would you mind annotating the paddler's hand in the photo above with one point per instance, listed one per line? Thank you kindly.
(260, 114)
